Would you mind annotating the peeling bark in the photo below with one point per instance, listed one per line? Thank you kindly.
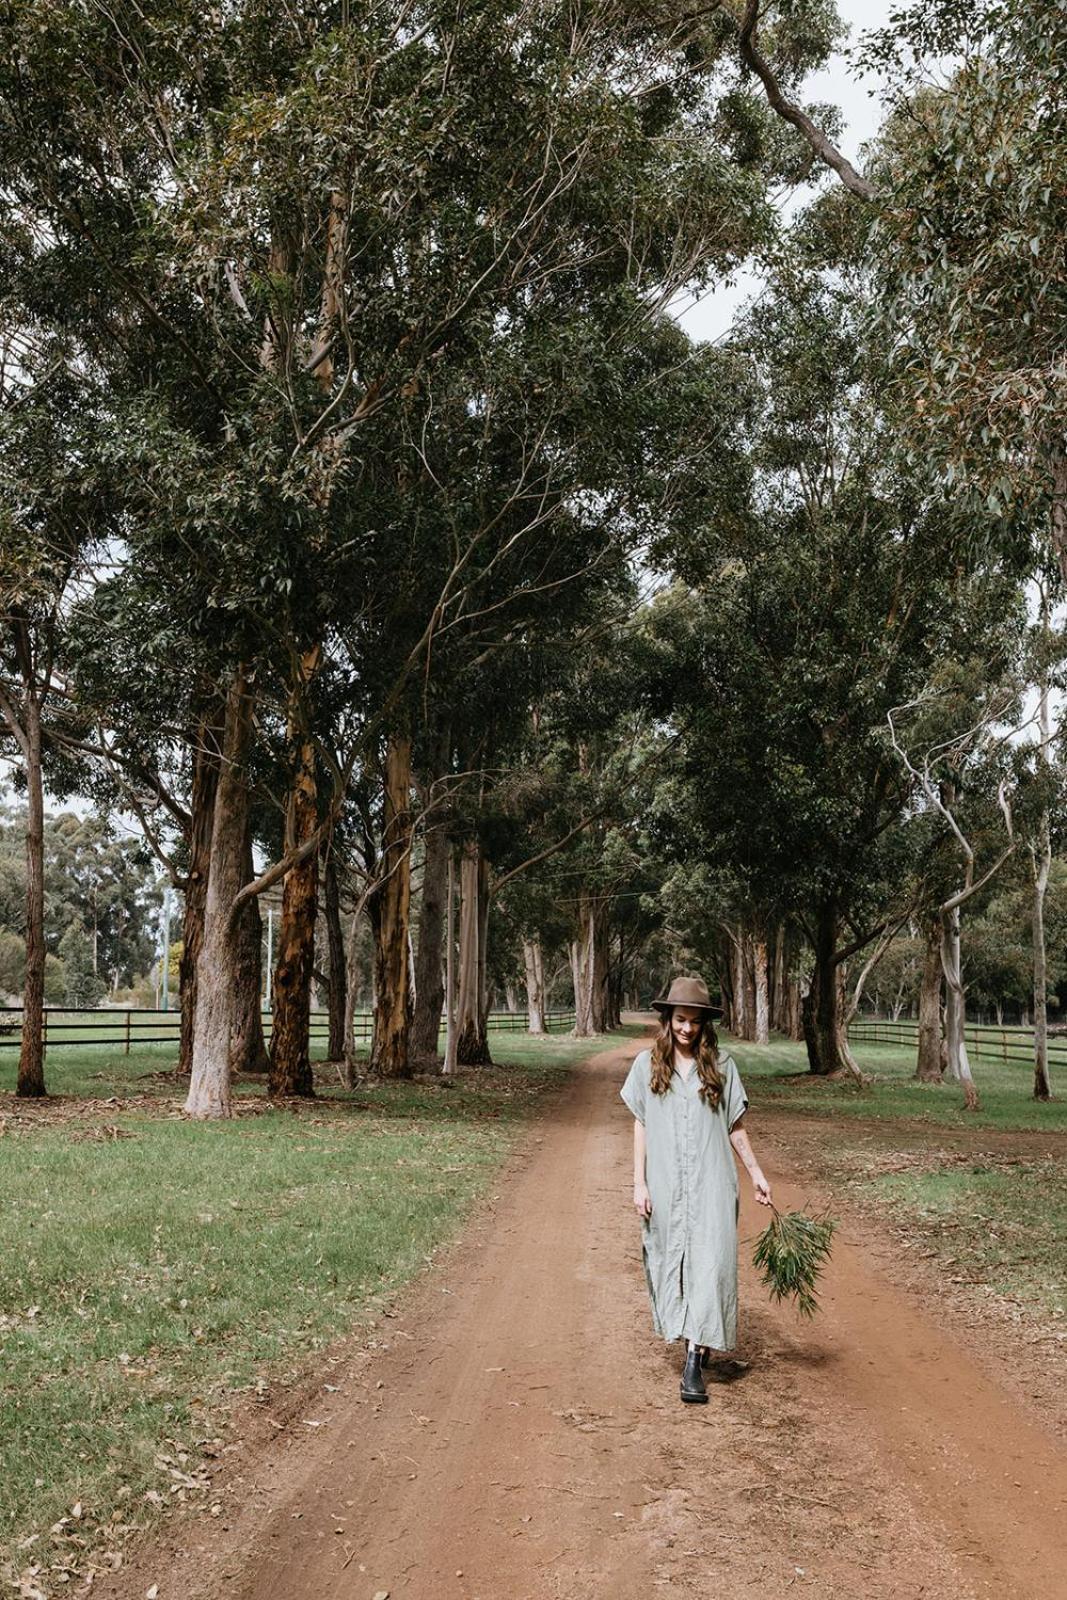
(929, 1064)
(338, 987)
(779, 984)
(1042, 866)
(390, 911)
(748, 981)
(30, 1082)
(534, 967)
(741, 1015)
(472, 1033)
(429, 976)
(216, 989)
(589, 968)
(248, 1051)
(762, 1029)
(351, 990)
(959, 1065)
(1041, 863)
(201, 814)
(290, 1060)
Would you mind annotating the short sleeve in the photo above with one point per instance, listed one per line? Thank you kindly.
(635, 1090)
(734, 1097)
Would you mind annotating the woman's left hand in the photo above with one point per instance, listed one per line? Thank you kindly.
(762, 1188)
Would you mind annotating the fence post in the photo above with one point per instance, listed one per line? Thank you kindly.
(126, 1047)
(44, 1028)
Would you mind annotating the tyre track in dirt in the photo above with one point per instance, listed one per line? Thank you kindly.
(521, 1437)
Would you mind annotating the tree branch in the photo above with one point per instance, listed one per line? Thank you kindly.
(790, 112)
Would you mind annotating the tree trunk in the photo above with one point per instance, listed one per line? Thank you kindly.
(534, 966)
(748, 974)
(741, 1024)
(483, 947)
(615, 985)
(448, 1066)
(593, 912)
(958, 1064)
(202, 811)
(472, 1033)
(335, 939)
(390, 908)
(584, 969)
(30, 1083)
(847, 1006)
(429, 975)
(1041, 857)
(726, 984)
(795, 1025)
(290, 1060)
(780, 999)
(928, 1067)
(1042, 865)
(583, 988)
(248, 1052)
(823, 1028)
(216, 985)
(762, 1029)
(351, 992)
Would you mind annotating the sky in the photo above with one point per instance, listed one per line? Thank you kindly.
(838, 84)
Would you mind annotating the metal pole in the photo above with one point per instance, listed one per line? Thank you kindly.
(166, 947)
(270, 957)
(450, 971)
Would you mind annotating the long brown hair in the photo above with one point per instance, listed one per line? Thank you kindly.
(707, 1061)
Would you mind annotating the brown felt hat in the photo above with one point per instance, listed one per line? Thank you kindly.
(688, 992)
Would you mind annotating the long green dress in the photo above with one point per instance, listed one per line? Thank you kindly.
(690, 1240)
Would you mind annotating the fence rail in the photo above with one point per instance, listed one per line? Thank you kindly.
(984, 1041)
(130, 1025)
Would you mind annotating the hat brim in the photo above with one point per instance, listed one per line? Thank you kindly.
(663, 1006)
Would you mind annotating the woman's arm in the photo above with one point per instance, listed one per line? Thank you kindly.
(743, 1145)
(642, 1198)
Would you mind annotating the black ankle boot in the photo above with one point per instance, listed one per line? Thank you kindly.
(693, 1390)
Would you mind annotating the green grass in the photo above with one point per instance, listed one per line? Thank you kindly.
(777, 1075)
(154, 1267)
(1001, 1226)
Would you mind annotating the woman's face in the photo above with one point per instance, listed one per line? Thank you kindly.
(686, 1022)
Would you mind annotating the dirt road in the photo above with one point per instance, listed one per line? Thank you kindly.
(521, 1436)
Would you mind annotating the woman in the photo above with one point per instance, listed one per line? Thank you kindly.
(688, 1104)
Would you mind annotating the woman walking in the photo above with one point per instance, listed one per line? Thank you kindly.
(688, 1104)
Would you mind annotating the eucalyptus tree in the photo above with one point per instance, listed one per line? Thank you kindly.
(823, 585)
(275, 234)
(969, 248)
(53, 516)
(954, 741)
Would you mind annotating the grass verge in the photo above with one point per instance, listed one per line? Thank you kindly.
(154, 1268)
(777, 1074)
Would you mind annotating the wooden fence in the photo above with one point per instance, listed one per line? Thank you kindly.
(129, 1026)
(987, 1042)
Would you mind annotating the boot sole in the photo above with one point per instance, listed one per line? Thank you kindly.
(694, 1399)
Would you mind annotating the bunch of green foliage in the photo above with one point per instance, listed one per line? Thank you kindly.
(790, 1253)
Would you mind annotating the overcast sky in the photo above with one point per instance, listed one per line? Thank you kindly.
(839, 85)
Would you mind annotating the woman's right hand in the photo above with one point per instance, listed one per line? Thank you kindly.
(642, 1200)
